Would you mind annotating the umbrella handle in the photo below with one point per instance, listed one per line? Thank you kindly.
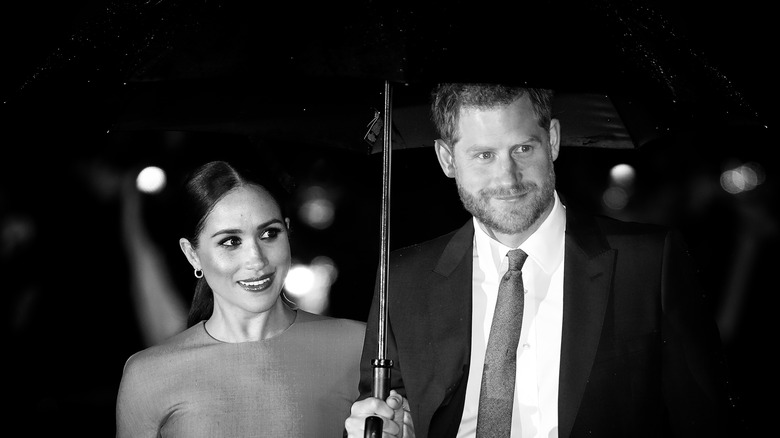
(381, 390)
(373, 428)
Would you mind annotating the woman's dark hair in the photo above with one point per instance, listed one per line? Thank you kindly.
(204, 187)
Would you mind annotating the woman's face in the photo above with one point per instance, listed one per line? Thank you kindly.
(244, 251)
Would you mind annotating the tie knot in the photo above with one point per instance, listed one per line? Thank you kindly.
(516, 259)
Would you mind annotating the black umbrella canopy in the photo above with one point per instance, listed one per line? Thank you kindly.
(314, 73)
(632, 50)
(277, 69)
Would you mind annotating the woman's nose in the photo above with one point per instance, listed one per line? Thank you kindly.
(256, 258)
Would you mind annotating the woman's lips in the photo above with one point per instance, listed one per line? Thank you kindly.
(257, 284)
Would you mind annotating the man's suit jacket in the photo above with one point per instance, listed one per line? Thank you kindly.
(640, 354)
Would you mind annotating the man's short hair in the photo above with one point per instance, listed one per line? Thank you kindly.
(449, 98)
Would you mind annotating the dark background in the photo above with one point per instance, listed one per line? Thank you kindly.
(65, 80)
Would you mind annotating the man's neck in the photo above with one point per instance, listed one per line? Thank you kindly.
(514, 240)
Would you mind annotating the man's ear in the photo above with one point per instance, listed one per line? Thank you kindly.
(446, 159)
(189, 252)
(555, 138)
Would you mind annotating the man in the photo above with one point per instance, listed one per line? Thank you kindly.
(614, 338)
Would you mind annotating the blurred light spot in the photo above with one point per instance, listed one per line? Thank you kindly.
(615, 198)
(309, 285)
(317, 210)
(622, 175)
(300, 280)
(16, 233)
(327, 268)
(150, 180)
(742, 178)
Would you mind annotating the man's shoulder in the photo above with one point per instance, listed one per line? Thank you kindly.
(626, 234)
(616, 225)
(588, 221)
(433, 245)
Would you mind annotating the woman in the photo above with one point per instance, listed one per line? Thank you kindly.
(249, 364)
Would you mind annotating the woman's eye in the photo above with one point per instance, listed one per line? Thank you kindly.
(231, 241)
(271, 233)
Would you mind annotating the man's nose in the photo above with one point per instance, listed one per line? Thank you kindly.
(508, 170)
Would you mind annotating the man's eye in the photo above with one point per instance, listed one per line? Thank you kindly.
(485, 155)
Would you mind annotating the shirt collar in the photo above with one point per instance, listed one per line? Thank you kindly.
(544, 246)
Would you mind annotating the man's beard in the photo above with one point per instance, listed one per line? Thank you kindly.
(517, 219)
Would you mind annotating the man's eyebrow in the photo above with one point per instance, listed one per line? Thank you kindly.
(529, 139)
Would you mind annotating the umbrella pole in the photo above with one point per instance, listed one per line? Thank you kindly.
(382, 365)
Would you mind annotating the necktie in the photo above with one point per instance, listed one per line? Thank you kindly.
(496, 394)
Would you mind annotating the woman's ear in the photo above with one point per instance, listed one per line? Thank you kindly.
(189, 252)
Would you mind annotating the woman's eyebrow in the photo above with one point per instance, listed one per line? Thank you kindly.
(238, 230)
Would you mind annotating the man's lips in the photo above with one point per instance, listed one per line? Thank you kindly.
(507, 193)
(509, 196)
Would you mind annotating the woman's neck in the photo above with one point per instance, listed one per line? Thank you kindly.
(227, 327)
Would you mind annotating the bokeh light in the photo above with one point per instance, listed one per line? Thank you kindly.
(326, 267)
(615, 198)
(300, 280)
(621, 187)
(622, 175)
(742, 178)
(309, 284)
(151, 179)
(317, 211)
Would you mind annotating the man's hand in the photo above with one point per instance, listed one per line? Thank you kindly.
(395, 415)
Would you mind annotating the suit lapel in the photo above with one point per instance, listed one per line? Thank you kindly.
(461, 245)
(448, 311)
(589, 264)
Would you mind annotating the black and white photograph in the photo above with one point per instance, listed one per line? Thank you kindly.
(389, 219)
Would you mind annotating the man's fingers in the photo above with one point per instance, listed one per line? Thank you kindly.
(371, 407)
(355, 426)
(395, 400)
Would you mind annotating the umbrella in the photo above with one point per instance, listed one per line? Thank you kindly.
(625, 76)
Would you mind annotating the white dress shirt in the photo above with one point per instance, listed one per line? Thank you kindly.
(535, 411)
